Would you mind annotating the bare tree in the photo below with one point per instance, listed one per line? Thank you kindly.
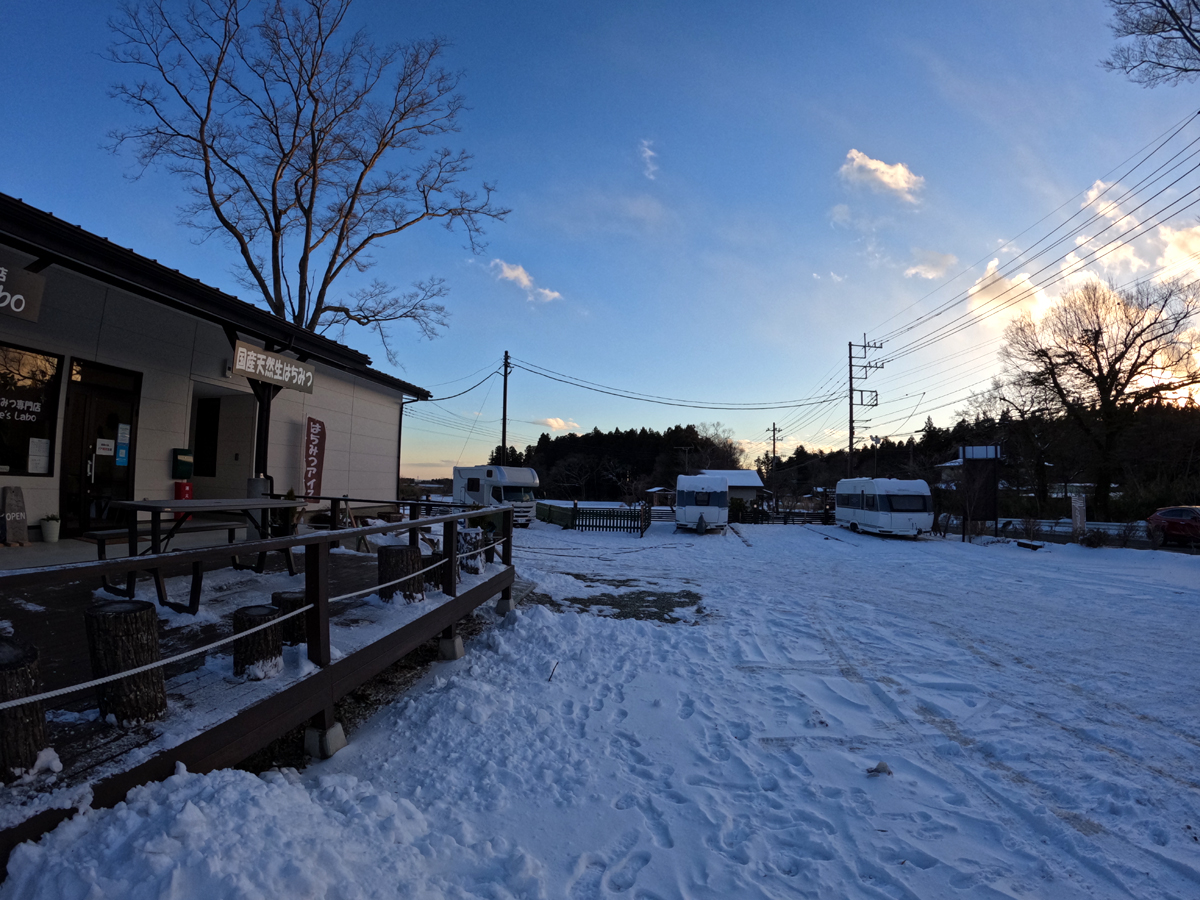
(302, 146)
(1101, 354)
(1163, 45)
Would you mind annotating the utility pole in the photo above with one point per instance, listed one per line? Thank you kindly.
(504, 415)
(686, 470)
(771, 475)
(865, 398)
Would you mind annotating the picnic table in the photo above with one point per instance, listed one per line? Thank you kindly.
(255, 510)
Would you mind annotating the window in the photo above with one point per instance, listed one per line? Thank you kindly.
(849, 501)
(29, 387)
(496, 494)
(473, 485)
(904, 503)
(869, 501)
(702, 498)
(518, 494)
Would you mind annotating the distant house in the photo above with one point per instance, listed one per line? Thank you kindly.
(744, 484)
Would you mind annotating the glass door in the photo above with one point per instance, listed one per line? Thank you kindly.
(99, 433)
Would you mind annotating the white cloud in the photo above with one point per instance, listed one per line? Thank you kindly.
(1018, 291)
(649, 166)
(556, 424)
(840, 215)
(513, 273)
(1181, 256)
(930, 265)
(895, 178)
(517, 274)
(836, 277)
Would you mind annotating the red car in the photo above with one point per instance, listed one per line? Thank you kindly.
(1178, 523)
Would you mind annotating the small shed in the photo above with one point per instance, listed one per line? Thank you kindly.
(660, 496)
(744, 484)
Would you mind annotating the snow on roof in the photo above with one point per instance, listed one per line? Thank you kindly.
(701, 483)
(736, 477)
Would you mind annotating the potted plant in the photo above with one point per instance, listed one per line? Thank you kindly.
(50, 526)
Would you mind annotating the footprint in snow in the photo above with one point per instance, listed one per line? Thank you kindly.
(687, 707)
(624, 878)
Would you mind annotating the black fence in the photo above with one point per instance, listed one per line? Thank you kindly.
(633, 520)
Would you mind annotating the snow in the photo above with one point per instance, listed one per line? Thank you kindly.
(736, 477)
(1035, 715)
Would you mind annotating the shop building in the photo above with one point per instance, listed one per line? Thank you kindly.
(115, 370)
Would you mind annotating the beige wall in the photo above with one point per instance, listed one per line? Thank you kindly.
(179, 356)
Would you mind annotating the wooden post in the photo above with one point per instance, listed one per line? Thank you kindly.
(22, 728)
(505, 604)
(291, 631)
(122, 635)
(396, 561)
(316, 592)
(450, 645)
(414, 534)
(450, 555)
(258, 655)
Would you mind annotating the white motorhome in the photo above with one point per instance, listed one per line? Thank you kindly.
(884, 505)
(701, 502)
(498, 486)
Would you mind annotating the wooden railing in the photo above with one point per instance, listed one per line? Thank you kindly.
(312, 698)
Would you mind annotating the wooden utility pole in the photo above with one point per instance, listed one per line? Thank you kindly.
(504, 415)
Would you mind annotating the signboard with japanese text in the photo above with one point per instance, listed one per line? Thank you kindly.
(314, 456)
(273, 368)
(20, 291)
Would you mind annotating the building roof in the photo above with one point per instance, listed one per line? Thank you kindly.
(55, 242)
(736, 477)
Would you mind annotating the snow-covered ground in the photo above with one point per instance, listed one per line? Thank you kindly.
(1039, 714)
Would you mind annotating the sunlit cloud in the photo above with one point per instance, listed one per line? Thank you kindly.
(1016, 294)
(893, 178)
(522, 279)
(649, 166)
(930, 265)
(556, 424)
(1181, 252)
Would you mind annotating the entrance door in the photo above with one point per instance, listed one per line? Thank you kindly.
(99, 430)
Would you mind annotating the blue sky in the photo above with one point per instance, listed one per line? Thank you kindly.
(708, 202)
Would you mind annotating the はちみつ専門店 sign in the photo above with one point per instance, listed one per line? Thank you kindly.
(263, 365)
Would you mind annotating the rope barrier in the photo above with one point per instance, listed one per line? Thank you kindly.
(60, 692)
(50, 695)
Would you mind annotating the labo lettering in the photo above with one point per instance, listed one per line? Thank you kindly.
(15, 302)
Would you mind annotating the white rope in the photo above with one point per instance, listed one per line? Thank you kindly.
(50, 695)
(372, 590)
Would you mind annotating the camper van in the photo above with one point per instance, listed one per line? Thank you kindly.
(701, 502)
(884, 505)
(498, 486)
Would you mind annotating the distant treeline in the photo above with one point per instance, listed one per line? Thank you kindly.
(1157, 456)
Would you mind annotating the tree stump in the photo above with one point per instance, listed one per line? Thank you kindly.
(396, 561)
(22, 728)
(433, 578)
(122, 635)
(292, 631)
(470, 540)
(258, 655)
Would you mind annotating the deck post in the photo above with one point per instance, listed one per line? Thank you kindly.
(450, 645)
(450, 555)
(316, 592)
(324, 735)
(505, 604)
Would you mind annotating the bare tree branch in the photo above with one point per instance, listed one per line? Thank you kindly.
(303, 147)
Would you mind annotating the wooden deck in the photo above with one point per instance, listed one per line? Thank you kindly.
(213, 719)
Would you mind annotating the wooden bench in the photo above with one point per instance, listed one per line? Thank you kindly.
(103, 537)
(121, 535)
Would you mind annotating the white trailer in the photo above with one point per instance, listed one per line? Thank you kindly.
(498, 486)
(885, 505)
(701, 502)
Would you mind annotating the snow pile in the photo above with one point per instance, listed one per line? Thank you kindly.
(229, 834)
(846, 717)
